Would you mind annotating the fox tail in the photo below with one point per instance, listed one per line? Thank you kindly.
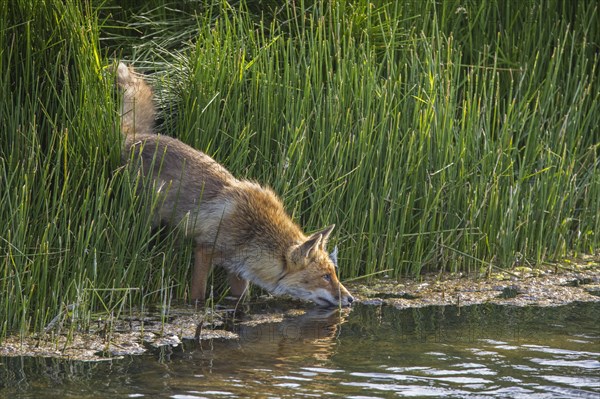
(138, 111)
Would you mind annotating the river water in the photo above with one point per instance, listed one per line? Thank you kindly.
(483, 351)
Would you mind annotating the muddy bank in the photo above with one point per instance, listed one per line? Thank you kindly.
(552, 285)
(139, 332)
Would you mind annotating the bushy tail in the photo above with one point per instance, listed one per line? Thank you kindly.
(138, 110)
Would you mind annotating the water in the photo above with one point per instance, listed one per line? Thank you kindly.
(483, 351)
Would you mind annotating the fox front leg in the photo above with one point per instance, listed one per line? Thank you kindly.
(202, 265)
(238, 285)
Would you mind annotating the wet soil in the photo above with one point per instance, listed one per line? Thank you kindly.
(139, 332)
(552, 285)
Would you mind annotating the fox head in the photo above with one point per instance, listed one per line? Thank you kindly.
(311, 272)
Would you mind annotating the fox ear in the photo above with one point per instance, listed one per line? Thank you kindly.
(303, 250)
(317, 240)
(333, 256)
(325, 233)
(310, 244)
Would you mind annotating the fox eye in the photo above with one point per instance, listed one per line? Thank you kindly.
(327, 277)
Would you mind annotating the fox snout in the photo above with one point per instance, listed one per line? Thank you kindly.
(341, 298)
(315, 284)
(337, 295)
(334, 294)
(325, 291)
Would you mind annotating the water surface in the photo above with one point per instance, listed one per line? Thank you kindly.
(372, 352)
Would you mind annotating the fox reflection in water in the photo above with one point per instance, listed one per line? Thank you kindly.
(309, 335)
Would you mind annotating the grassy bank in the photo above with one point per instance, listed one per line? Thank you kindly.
(457, 135)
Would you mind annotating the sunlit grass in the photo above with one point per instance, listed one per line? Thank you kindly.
(435, 135)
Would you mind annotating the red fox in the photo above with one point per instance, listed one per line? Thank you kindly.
(237, 224)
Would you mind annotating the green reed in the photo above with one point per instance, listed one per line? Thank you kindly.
(444, 135)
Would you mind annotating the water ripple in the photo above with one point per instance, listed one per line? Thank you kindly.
(584, 364)
(585, 382)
